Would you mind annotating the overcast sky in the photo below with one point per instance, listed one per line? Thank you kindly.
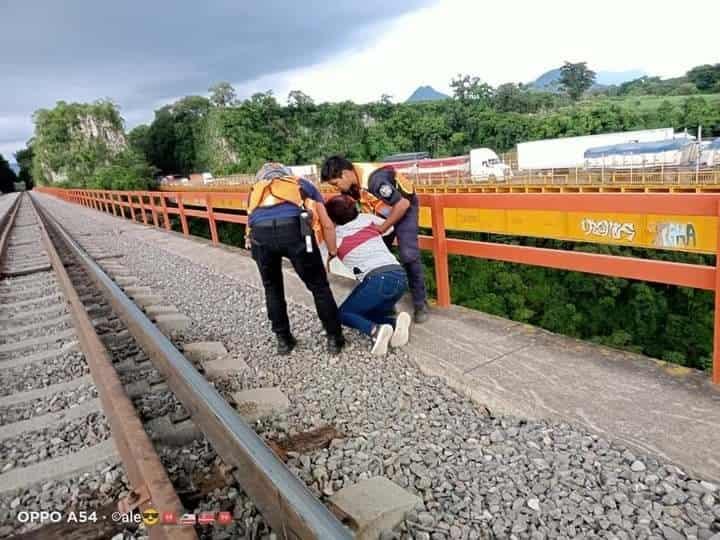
(143, 54)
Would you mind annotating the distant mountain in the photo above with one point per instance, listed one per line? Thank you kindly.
(550, 80)
(425, 93)
(15, 167)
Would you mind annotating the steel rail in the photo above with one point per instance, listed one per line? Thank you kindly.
(285, 502)
(151, 485)
(6, 222)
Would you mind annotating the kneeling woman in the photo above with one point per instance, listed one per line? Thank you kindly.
(370, 307)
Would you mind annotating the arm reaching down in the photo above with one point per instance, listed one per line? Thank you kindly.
(396, 214)
(328, 228)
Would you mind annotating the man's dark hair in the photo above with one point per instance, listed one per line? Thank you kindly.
(341, 209)
(334, 167)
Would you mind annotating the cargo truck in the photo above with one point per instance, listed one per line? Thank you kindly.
(569, 152)
(480, 165)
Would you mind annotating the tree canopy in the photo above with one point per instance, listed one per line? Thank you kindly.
(575, 79)
(222, 94)
(24, 159)
(7, 176)
(75, 143)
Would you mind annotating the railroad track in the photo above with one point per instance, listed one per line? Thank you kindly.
(54, 436)
(73, 346)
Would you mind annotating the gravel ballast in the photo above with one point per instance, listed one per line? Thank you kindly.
(48, 404)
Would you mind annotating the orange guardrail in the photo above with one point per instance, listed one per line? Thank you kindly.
(685, 275)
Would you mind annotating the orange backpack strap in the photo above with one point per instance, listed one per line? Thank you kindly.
(266, 193)
(370, 204)
(405, 185)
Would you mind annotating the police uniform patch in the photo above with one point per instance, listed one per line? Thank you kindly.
(386, 190)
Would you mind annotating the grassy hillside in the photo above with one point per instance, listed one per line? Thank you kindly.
(642, 104)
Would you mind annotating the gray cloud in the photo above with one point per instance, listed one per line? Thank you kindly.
(141, 52)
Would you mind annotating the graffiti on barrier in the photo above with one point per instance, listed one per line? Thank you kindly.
(607, 228)
(675, 235)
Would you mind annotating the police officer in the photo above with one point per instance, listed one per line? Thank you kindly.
(393, 197)
(286, 218)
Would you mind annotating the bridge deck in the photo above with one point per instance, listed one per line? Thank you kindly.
(520, 370)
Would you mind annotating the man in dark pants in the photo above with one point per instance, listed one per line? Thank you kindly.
(393, 198)
(278, 205)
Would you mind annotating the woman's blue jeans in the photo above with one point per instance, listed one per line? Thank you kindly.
(372, 301)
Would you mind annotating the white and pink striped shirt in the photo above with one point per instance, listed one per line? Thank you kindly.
(361, 247)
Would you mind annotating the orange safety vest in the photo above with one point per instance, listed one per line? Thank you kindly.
(267, 193)
(368, 202)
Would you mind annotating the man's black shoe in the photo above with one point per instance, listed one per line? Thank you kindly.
(421, 314)
(285, 344)
(335, 344)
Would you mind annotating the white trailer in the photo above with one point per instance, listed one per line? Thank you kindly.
(486, 165)
(680, 152)
(711, 154)
(569, 152)
(305, 171)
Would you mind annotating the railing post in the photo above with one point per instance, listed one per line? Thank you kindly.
(120, 205)
(130, 206)
(166, 218)
(142, 207)
(183, 218)
(211, 219)
(442, 275)
(152, 208)
(112, 203)
(716, 319)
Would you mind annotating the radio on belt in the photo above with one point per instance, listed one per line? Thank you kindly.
(306, 230)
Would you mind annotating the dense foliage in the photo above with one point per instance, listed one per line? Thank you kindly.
(24, 159)
(84, 144)
(192, 135)
(576, 79)
(7, 176)
(700, 79)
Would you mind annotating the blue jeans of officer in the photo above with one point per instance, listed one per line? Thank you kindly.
(372, 301)
(406, 231)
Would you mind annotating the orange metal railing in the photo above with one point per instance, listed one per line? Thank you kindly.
(685, 275)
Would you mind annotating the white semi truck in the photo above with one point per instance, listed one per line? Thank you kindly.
(480, 165)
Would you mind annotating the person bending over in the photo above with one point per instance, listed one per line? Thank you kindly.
(370, 307)
(286, 219)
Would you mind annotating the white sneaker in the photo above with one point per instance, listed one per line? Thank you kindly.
(380, 345)
(402, 330)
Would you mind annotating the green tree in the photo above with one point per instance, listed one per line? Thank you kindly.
(139, 139)
(24, 159)
(575, 79)
(7, 176)
(222, 94)
(299, 100)
(470, 89)
(705, 77)
(174, 137)
(128, 170)
(74, 141)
